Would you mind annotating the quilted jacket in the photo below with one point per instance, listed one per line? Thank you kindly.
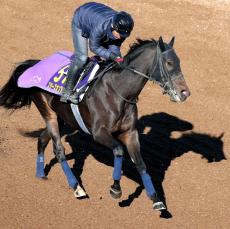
(95, 20)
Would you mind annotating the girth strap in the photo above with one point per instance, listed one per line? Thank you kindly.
(78, 118)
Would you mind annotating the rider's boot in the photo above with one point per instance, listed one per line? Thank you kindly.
(67, 92)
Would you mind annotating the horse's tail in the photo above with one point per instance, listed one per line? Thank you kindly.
(11, 96)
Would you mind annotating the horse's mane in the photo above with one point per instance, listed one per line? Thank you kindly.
(140, 44)
(136, 48)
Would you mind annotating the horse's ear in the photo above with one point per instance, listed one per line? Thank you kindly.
(161, 44)
(171, 43)
(221, 136)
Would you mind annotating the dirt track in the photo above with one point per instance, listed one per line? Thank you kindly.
(186, 153)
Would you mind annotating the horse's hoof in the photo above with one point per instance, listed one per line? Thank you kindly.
(42, 178)
(79, 193)
(159, 206)
(115, 193)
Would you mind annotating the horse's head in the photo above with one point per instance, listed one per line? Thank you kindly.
(167, 73)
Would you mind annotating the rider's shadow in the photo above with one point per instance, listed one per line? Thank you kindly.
(158, 148)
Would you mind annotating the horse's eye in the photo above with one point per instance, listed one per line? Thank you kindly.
(169, 63)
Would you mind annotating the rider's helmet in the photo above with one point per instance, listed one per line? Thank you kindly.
(123, 23)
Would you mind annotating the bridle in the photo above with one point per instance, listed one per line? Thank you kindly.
(166, 84)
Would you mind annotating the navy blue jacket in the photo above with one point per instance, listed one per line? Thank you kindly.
(95, 20)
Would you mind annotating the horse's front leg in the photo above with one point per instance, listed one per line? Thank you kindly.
(131, 140)
(103, 136)
(115, 189)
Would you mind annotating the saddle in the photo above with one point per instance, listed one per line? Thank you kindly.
(91, 73)
(87, 77)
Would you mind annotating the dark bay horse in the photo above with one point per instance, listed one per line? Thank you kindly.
(109, 113)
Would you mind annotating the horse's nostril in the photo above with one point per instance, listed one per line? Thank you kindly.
(185, 93)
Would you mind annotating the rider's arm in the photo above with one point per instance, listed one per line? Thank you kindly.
(95, 46)
(116, 47)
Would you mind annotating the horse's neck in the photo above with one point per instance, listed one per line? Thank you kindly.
(131, 84)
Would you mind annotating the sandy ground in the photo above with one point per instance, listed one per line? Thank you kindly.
(182, 143)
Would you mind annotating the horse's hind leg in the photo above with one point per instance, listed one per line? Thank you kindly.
(43, 141)
(52, 130)
(59, 151)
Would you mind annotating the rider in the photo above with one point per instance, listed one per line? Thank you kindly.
(105, 28)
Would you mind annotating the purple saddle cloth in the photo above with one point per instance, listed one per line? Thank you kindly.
(50, 73)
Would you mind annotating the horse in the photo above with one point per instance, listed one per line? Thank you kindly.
(109, 109)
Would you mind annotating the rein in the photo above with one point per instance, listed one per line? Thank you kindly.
(167, 84)
(165, 76)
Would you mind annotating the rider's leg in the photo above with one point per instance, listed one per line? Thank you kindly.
(80, 58)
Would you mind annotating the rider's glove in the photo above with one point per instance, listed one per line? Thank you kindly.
(119, 60)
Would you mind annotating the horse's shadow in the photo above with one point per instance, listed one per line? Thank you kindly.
(158, 148)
